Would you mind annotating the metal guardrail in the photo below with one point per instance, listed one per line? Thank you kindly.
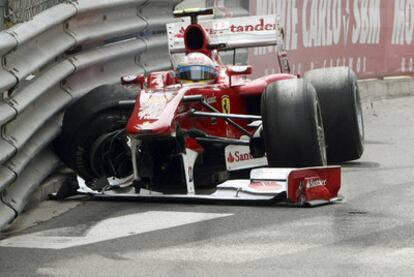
(24, 10)
(44, 64)
(3, 13)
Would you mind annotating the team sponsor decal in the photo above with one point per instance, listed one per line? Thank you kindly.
(212, 100)
(309, 183)
(153, 104)
(225, 104)
(313, 182)
(151, 113)
(217, 27)
(239, 157)
(265, 185)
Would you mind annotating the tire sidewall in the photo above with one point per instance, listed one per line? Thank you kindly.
(338, 92)
(289, 113)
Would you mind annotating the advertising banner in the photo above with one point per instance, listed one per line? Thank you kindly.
(374, 37)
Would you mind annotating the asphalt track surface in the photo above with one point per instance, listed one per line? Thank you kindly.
(370, 234)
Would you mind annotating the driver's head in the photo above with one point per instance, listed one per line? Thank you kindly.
(196, 68)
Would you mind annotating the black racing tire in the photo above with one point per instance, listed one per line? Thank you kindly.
(93, 124)
(292, 125)
(338, 94)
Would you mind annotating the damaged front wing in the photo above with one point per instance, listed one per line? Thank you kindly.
(311, 186)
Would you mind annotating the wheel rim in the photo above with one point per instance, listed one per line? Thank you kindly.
(110, 155)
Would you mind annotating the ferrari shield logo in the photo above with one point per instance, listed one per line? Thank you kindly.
(225, 104)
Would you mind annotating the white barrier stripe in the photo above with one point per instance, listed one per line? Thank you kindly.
(108, 229)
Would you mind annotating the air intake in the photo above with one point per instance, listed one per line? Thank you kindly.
(195, 39)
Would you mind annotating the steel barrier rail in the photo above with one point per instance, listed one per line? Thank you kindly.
(44, 64)
(103, 65)
(39, 42)
(24, 10)
(98, 21)
(3, 13)
(17, 195)
(7, 43)
(7, 80)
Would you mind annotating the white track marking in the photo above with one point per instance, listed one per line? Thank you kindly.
(108, 229)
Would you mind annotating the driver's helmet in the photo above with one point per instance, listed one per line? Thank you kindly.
(196, 68)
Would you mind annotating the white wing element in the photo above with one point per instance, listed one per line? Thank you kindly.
(231, 33)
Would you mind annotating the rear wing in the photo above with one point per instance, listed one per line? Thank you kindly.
(231, 33)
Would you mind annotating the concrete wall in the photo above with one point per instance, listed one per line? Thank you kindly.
(389, 87)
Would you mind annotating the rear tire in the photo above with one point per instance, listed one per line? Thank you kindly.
(338, 93)
(93, 141)
(292, 125)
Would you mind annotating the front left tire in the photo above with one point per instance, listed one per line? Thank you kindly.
(93, 140)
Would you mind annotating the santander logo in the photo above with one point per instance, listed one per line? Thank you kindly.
(313, 182)
(180, 33)
(259, 26)
(230, 158)
(238, 156)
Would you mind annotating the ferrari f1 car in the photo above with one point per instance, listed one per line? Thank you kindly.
(204, 131)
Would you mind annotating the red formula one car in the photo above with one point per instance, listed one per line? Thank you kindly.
(206, 132)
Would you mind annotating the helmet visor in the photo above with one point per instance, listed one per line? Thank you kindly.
(196, 73)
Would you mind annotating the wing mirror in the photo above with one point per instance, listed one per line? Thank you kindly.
(237, 70)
